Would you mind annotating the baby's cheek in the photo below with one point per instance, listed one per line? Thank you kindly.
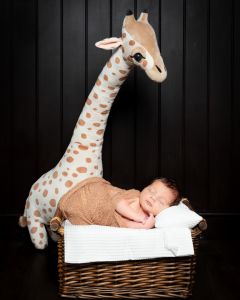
(158, 208)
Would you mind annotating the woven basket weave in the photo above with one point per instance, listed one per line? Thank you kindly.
(149, 278)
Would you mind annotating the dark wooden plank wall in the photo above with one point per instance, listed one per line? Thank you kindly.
(186, 128)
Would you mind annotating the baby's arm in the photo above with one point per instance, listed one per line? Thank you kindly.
(150, 223)
(124, 209)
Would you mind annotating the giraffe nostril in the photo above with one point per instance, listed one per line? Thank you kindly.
(158, 69)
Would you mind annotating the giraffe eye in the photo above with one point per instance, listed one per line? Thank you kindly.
(138, 57)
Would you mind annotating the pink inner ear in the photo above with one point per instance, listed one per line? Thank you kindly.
(109, 43)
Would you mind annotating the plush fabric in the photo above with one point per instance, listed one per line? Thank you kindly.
(93, 201)
(83, 156)
(177, 216)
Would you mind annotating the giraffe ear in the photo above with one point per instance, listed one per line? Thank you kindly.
(109, 43)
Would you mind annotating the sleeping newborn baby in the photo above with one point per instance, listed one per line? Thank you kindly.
(95, 201)
(141, 210)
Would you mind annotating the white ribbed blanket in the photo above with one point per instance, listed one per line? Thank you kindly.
(93, 243)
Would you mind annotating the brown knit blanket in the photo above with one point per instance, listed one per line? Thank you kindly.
(92, 201)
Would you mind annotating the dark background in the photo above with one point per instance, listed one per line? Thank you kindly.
(186, 128)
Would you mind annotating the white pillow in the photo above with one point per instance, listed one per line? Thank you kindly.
(177, 216)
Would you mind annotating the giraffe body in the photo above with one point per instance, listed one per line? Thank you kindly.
(83, 156)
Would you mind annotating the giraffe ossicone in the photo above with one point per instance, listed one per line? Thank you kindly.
(83, 156)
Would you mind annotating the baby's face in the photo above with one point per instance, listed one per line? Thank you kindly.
(156, 197)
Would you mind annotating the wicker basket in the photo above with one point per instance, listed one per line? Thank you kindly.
(151, 278)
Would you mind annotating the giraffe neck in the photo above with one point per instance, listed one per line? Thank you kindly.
(110, 79)
(99, 102)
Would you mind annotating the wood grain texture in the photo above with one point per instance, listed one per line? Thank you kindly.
(186, 128)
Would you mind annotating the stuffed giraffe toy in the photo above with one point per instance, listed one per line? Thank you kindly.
(83, 156)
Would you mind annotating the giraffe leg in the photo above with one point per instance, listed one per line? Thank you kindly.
(37, 233)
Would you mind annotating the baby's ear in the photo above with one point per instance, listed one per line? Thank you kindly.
(109, 43)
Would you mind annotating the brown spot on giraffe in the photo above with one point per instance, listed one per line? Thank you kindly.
(69, 159)
(36, 213)
(98, 82)
(52, 202)
(89, 102)
(81, 122)
(109, 64)
(103, 105)
(64, 173)
(88, 115)
(45, 192)
(96, 124)
(131, 42)
(88, 159)
(34, 230)
(68, 183)
(82, 170)
(117, 60)
(105, 112)
(113, 95)
(83, 135)
(95, 95)
(35, 187)
(82, 147)
(100, 131)
(105, 77)
(27, 204)
(55, 174)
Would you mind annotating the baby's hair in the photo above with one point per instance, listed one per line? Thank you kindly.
(171, 184)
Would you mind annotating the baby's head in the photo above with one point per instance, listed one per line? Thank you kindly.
(159, 194)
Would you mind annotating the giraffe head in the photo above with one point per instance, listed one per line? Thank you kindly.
(139, 46)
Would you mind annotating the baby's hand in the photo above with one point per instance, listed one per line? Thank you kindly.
(140, 219)
(144, 219)
(150, 222)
